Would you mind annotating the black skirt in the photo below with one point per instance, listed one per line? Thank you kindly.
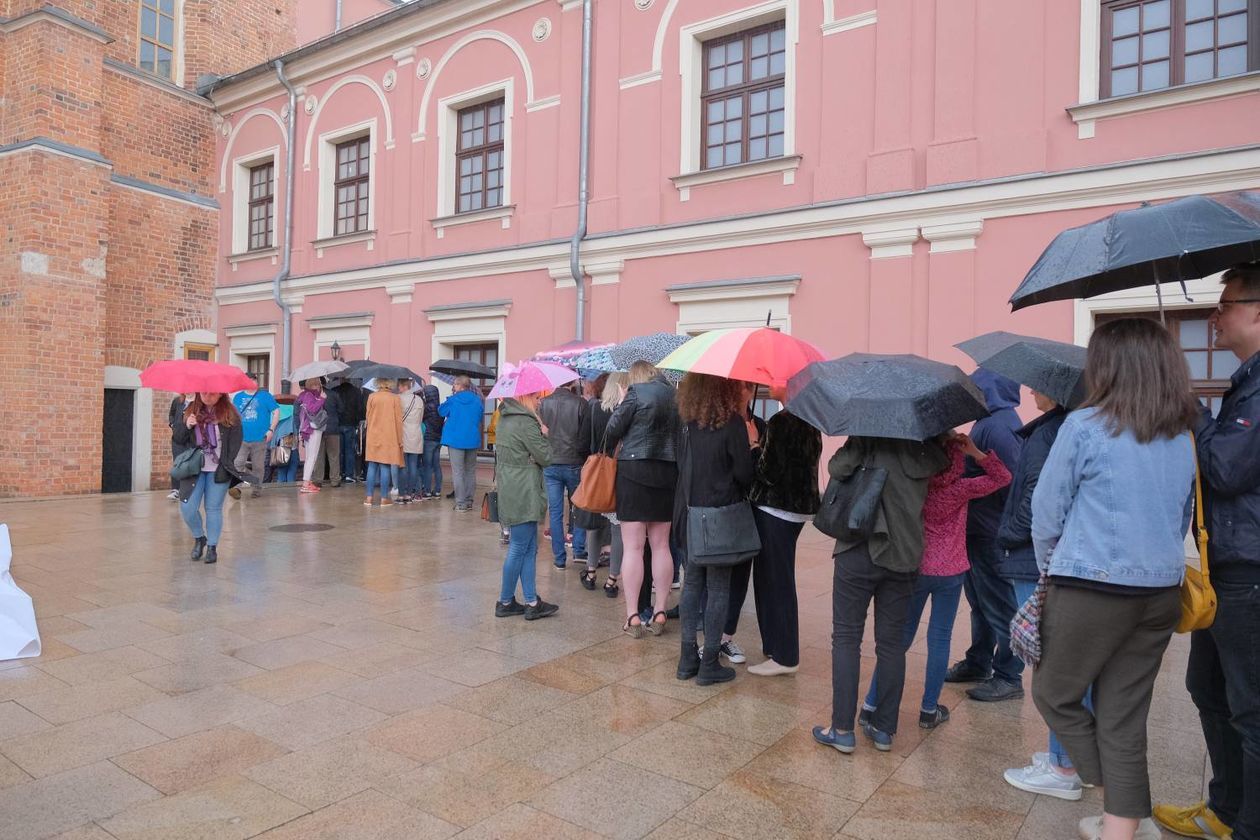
(645, 490)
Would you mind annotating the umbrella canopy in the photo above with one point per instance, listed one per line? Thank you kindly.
(378, 371)
(757, 354)
(1185, 239)
(905, 397)
(564, 354)
(596, 360)
(1054, 368)
(531, 378)
(374, 385)
(461, 367)
(317, 369)
(186, 376)
(645, 348)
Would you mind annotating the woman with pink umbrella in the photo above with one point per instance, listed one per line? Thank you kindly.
(522, 451)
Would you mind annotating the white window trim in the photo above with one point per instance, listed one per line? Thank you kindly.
(254, 340)
(503, 214)
(741, 303)
(128, 379)
(240, 203)
(448, 142)
(344, 330)
(691, 58)
(467, 325)
(206, 337)
(177, 48)
(1204, 293)
(328, 175)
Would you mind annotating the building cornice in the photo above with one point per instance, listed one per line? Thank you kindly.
(58, 17)
(50, 146)
(132, 72)
(164, 192)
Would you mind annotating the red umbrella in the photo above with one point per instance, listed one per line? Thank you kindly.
(753, 354)
(186, 376)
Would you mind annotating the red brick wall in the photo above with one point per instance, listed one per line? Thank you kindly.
(176, 151)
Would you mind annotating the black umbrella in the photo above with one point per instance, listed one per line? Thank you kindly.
(379, 371)
(905, 397)
(461, 367)
(1181, 240)
(1054, 368)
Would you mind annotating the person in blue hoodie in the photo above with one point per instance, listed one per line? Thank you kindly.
(463, 411)
(989, 661)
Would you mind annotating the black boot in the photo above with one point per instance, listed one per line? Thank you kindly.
(689, 661)
(212, 554)
(711, 670)
(199, 545)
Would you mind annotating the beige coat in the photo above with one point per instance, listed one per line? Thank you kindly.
(384, 429)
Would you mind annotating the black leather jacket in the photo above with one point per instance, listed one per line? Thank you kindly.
(646, 423)
(568, 420)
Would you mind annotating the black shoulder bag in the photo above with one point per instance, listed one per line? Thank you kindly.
(717, 536)
(850, 506)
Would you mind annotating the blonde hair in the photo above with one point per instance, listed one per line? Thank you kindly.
(642, 371)
(385, 384)
(461, 383)
(613, 389)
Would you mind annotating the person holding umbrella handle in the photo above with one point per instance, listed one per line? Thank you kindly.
(211, 424)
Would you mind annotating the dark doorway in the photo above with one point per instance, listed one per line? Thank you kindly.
(120, 409)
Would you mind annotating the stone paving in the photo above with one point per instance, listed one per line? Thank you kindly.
(353, 683)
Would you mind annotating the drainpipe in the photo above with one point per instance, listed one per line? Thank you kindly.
(337, 21)
(286, 257)
(584, 151)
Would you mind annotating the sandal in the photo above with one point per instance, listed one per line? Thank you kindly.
(611, 589)
(635, 630)
(588, 579)
(656, 628)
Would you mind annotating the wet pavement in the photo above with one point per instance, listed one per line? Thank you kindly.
(352, 682)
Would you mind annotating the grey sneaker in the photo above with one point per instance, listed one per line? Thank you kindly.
(733, 652)
(1041, 777)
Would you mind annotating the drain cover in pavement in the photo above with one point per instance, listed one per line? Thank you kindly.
(298, 527)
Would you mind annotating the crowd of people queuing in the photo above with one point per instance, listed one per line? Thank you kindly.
(1089, 503)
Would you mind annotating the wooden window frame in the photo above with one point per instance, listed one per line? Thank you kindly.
(155, 41)
(481, 151)
(192, 347)
(264, 376)
(1177, 44)
(744, 90)
(360, 221)
(268, 204)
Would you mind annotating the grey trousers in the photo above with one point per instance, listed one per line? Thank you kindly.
(1114, 642)
(251, 461)
(464, 474)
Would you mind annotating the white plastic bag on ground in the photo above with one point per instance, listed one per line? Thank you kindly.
(19, 637)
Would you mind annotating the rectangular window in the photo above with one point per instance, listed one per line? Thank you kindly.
(204, 352)
(479, 157)
(261, 206)
(350, 186)
(742, 97)
(1155, 44)
(259, 364)
(157, 37)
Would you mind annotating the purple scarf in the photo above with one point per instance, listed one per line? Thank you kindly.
(311, 403)
(206, 433)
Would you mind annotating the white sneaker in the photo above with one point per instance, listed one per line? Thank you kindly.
(733, 652)
(1091, 829)
(1041, 777)
(770, 668)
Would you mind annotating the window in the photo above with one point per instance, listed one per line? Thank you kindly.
(157, 37)
(1155, 44)
(261, 206)
(351, 186)
(204, 352)
(742, 93)
(482, 354)
(259, 364)
(1210, 367)
(479, 157)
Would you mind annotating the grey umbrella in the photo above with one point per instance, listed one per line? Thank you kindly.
(645, 348)
(379, 371)
(1054, 368)
(906, 397)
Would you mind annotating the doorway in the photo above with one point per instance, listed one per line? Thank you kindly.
(117, 440)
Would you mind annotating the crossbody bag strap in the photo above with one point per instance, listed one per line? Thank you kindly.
(1198, 511)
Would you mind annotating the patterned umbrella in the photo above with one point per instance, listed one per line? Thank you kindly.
(567, 353)
(596, 360)
(756, 354)
(646, 348)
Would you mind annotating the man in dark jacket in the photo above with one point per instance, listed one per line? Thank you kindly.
(989, 660)
(1223, 676)
(568, 420)
(349, 415)
(330, 444)
(431, 465)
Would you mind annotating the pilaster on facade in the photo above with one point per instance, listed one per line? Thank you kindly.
(400, 292)
(886, 244)
(601, 273)
(958, 236)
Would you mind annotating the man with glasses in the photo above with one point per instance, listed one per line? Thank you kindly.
(1223, 675)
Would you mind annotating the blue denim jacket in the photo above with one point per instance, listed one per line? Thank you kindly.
(1110, 509)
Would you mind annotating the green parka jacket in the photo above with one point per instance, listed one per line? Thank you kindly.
(521, 452)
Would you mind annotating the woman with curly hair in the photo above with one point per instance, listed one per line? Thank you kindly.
(718, 472)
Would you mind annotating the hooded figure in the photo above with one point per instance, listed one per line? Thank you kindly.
(998, 433)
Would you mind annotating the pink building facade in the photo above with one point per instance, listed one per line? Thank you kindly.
(872, 175)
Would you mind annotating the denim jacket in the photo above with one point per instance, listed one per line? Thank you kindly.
(1110, 509)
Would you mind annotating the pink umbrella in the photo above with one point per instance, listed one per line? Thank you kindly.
(188, 375)
(531, 378)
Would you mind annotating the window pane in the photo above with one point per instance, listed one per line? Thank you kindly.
(1198, 361)
(1232, 29)
(776, 145)
(713, 157)
(1214, 405)
(717, 56)
(494, 160)
(1155, 45)
(735, 74)
(1199, 36)
(148, 22)
(1155, 75)
(146, 55)
(1125, 22)
(733, 153)
(1224, 363)
(495, 133)
(757, 126)
(1196, 9)
(1232, 61)
(1124, 52)
(714, 135)
(717, 78)
(734, 52)
(778, 64)
(164, 62)
(1155, 15)
(1194, 334)
(166, 31)
(757, 102)
(464, 203)
(757, 149)
(776, 122)
(759, 68)
(776, 98)
(167, 6)
(1124, 81)
(716, 111)
(778, 38)
(734, 129)
(1227, 6)
(465, 166)
(760, 45)
(1198, 67)
(734, 107)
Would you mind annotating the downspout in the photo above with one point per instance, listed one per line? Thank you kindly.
(286, 256)
(584, 150)
(337, 21)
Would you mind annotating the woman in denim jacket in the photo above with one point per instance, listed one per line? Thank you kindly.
(1110, 514)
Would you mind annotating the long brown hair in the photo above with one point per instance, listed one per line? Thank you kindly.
(709, 401)
(1137, 378)
(224, 412)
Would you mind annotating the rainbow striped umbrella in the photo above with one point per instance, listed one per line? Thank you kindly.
(750, 354)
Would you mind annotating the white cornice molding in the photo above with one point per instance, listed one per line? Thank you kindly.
(734, 289)
(337, 322)
(250, 329)
(849, 23)
(644, 78)
(1087, 113)
(885, 244)
(957, 236)
(400, 292)
(466, 312)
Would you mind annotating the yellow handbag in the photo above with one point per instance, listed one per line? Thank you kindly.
(1198, 598)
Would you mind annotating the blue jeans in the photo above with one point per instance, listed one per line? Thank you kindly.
(211, 493)
(431, 468)
(519, 563)
(993, 606)
(382, 474)
(945, 592)
(349, 460)
(558, 479)
(1058, 755)
(411, 473)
